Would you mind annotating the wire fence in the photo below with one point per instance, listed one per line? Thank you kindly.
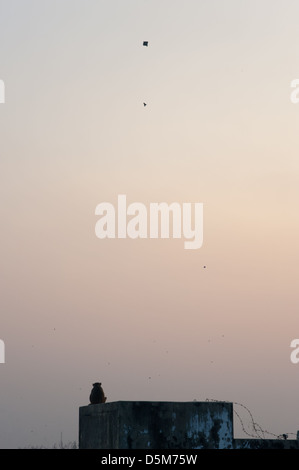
(253, 429)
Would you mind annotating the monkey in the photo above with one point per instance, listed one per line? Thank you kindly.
(97, 394)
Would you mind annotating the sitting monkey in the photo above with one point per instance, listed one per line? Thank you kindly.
(97, 394)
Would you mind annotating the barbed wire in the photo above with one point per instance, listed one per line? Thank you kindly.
(259, 432)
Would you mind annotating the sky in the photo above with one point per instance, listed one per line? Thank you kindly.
(143, 316)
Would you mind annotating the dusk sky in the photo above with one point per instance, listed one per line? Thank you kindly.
(143, 316)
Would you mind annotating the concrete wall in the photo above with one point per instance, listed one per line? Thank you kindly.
(165, 425)
(156, 425)
(265, 444)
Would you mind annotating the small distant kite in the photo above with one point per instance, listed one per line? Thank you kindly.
(144, 104)
(145, 43)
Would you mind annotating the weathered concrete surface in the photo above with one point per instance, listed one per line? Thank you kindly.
(156, 425)
(265, 444)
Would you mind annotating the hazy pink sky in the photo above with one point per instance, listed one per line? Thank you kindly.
(142, 316)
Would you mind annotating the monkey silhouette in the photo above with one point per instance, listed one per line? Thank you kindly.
(97, 394)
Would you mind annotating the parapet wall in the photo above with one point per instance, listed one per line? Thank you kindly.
(156, 425)
(165, 425)
(265, 444)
